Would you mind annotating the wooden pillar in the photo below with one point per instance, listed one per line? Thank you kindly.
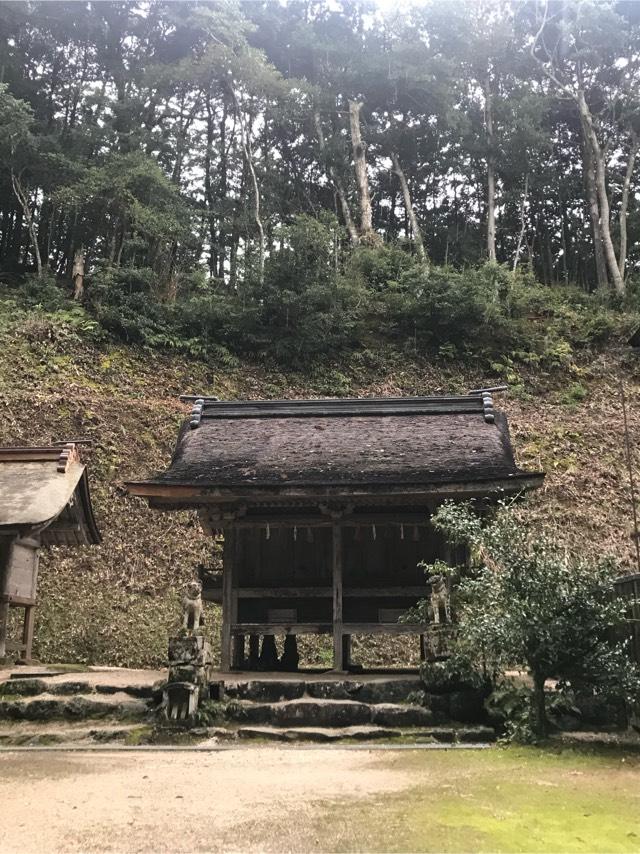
(228, 571)
(238, 651)
(338, 648)
(254, 652)
(423, 648)
(27, 631)
(4, 625)
(346, 651)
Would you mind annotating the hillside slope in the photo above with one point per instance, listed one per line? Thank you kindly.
(116, 603)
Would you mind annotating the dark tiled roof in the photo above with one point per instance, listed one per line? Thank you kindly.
(377, 442)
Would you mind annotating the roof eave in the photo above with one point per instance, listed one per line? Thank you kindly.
(159, 494)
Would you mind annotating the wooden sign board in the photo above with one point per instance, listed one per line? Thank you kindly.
(20, 576)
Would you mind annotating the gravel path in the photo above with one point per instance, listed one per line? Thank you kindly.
(258, 799)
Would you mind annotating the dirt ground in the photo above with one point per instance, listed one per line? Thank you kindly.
(263, 798)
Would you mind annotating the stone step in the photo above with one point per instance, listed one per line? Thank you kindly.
(47, 706)
(328, 713)
(60, 733)
(276, 690)
(416, 735)
(32, 687)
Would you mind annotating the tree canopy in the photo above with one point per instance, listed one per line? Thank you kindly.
(184, 139)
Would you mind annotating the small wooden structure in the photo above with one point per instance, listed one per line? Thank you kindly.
(325, 507)
(628, 588)
(44, 501)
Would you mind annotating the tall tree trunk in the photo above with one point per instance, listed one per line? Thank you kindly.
(565, 245)
(413, 219)
(362, 180)
(601, 189)
(208, 194)
(245, 144)
(491, 175)
(335, 179)
(23, 199)
(624, 204)
(523, 222)
(78, 274)
(539, 723)
(222, 192)
(594, 214)
(44, 228)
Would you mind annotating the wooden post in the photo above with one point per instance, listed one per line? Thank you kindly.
(4, 624)
(254, 652)
(346, 651)
(228, 562)
(338, 649)
(238, 652)
(423, 648)
(27, 631)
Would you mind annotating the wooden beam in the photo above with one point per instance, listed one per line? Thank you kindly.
(19, 601)
(384, 628)
(418, 592)
(284, 592)
(228, 571)
(168, 496)
(205, 408)
(338, 649)
(347, 521)
(281, 628)
(409, 592)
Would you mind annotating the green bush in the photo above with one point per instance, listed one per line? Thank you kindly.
(306, 308)
(457, 673)
(379, 268)
(527, 603)
(489, 313)
(315, 305)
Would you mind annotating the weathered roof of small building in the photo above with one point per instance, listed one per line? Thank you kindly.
(46, 490)
(377, 443)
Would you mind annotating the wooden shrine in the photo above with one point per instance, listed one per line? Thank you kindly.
(44, 501)
(325, 505)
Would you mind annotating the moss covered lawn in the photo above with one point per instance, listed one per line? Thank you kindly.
(505, 799)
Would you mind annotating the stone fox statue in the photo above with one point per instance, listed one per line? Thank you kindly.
(192, 616)
(439, 598)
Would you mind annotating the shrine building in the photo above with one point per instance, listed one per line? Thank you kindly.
(325, 507)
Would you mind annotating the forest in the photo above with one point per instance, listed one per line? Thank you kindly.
(299, 179)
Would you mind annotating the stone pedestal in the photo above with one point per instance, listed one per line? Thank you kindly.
(189, 673)
(438, 641)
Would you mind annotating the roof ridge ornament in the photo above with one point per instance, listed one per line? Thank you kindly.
(487, 405)
(196, 413)
(69, 454)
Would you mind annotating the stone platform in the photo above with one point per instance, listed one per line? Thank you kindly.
(103, 705)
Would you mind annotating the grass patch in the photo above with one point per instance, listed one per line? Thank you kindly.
(139, 735)
(503, 800)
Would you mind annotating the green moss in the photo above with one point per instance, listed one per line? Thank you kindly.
(513, 800)
(574, 395)
(139, 735)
